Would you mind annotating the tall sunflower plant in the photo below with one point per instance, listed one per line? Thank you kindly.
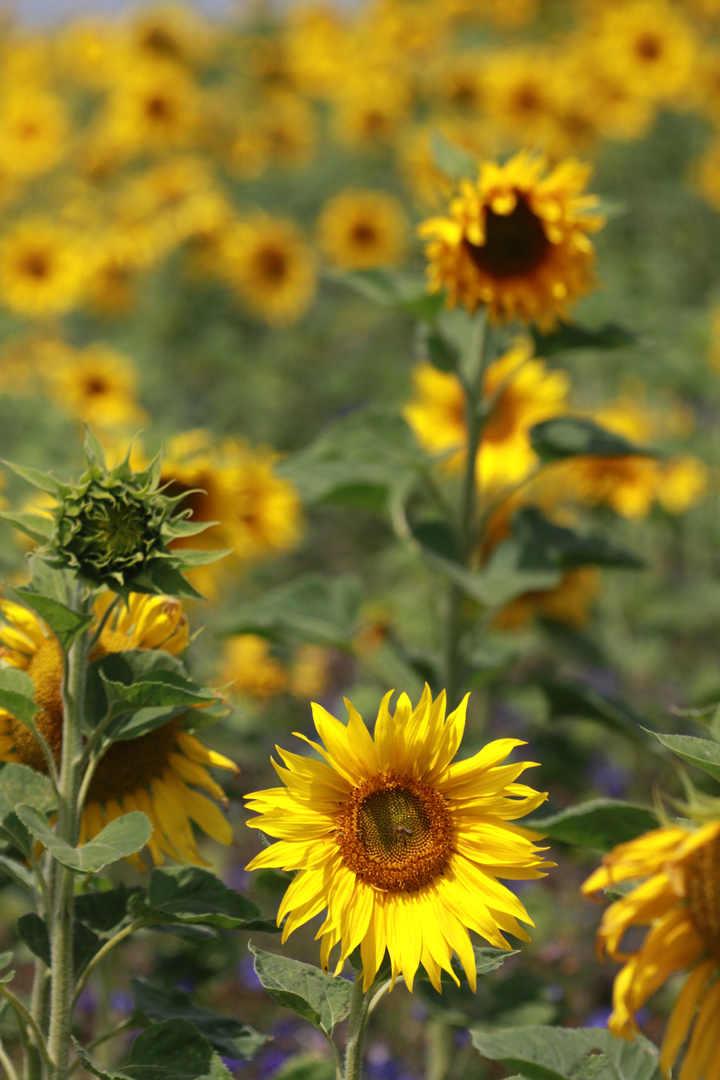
(102, 763)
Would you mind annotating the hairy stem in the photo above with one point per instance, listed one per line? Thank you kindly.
(7, 1064)
(357, 1027)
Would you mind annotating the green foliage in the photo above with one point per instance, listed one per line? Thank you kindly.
(34, 932)
(17, 696)
(453, 160)
(599, 824)
(576, 436)
(322, 999)
(569, 336)
(312, 608)
(546, 1053)
(66, 624)
(702, 753)
(118, 839)
(569, 698)
(403, 292)
(188, 895)
(171, 1050)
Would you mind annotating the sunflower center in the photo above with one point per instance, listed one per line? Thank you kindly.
(95, 386)
(158, 40)
(159, 108)
(272, 264)
(648, 47)
(515, 243)
(363, 234)
(703, 893)
(35, 265)
(395, 833)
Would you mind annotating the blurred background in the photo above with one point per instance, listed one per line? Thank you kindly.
(184, 192)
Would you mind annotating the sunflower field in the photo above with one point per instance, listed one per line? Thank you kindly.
(359, 534)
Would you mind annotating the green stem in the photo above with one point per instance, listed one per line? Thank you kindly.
(27, 1021)
(7, 1063)
(438, 1049)
(102, 953)
(356, 1031)
(103, 623)
(68, 821)
(39, 1004)
(466, 528)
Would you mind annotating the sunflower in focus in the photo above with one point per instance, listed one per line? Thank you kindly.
(519, 391)
(41, 268)
(96, 385)
(363, 229)
(33, 131)
(677, 899)
(268, 263)
(157, 773)
(400, 844)
(516, 240)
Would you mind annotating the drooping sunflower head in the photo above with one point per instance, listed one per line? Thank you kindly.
(516, 240)
(362, 229)
(678, 870)
(400, 843)
(157, 773)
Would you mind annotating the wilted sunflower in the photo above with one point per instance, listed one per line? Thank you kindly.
(520, 393)
(271, 267)
(157, 773)
(41, 268)
(362, 229)
(402, 846)
(678, 901)
(516, 240)
(97, 385)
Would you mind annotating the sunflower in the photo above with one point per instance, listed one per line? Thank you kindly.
(156, 773)
(363, 229)
(519, 391)
(271, 267)
(516, 240)
(371, 109)
(402, 846)
(288, 129)
(153, 107)
(569, 603)
(41, 268)
(677, 899)
(97, 385)
(87, 52)
(33, 131)
(168, 33)
(521, 98)
(117, 257)
(430, 186)
(649, 46)
(250, 666)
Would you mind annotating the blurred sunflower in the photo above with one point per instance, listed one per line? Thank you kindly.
(287, 126)
(264, 510)
(116, 258)
(430, 186)
(458, 81)
(33, 131)
(157, 773)
(516, 240)
(268, 263)
(361, 229)
(97, 385)
(679, 871)
(649, 46)
(371, 109)
(167, 33)
(402, 846)
(87, 52)
(250, 666)
(570, 602)
(520, 94)
(519, 391)
(41, 268)
(153, 107)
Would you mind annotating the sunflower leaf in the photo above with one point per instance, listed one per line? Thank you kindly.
(573, 436)
(320, 998)
(549, 1053)
(188, 894)
(36, 526)
(43, 481)
(19, 873)
(21, 784)
(599, 824)
(567, 548)
(230, 1037)
(170, 1050)
(17, 696)
(34, 932)
(569, 698)
(5, 959)
(65, 624)
(571, 336)
(702, 753)
(122, 837)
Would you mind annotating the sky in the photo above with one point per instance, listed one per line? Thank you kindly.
(46, 11)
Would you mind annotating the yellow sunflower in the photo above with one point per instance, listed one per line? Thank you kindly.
(569, 603)
(96, 385)
(41, 268)
(521, 98)
(250, 666)
(157, 773)
(287, 126)
(271, 267)
(371, 109)
(33, 131)
(677, 899)
(401, 845)
(429, 186)
(168, 32)
(362, 229)
(153, 107)
(520, 393)
(516, 240)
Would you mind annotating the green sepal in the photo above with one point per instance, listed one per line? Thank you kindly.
(36, 526)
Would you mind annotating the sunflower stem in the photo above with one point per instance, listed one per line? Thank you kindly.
(68, 818)
(357, 1026)
(472, 379)
(102, 953)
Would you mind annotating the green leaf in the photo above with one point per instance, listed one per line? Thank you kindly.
(313, 608)
(122, 837)
(453, 160)
(404, 292)
(37, 527)
(5, 959)
(171, 1050)
(228, 1036)
(599, 824)
(17, 696)
(187, 894)
(571, 336)
(66, 624)
(510, 572)
(21, 784)
(359, 459)
(486, 960)
(548, 1053)
(441, 353)
(38, 479)
(34, 932)
(19, 873)
(322, 999)
(573, 436)
(569, 699)
(306, 1067)
(560, 546)
(702, 753)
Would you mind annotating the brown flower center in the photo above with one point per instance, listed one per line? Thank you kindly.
(703, 892)
(272, 264)
(395, 833)
(515, 244)
(35, 264)
(649, 47)
(363, 234)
